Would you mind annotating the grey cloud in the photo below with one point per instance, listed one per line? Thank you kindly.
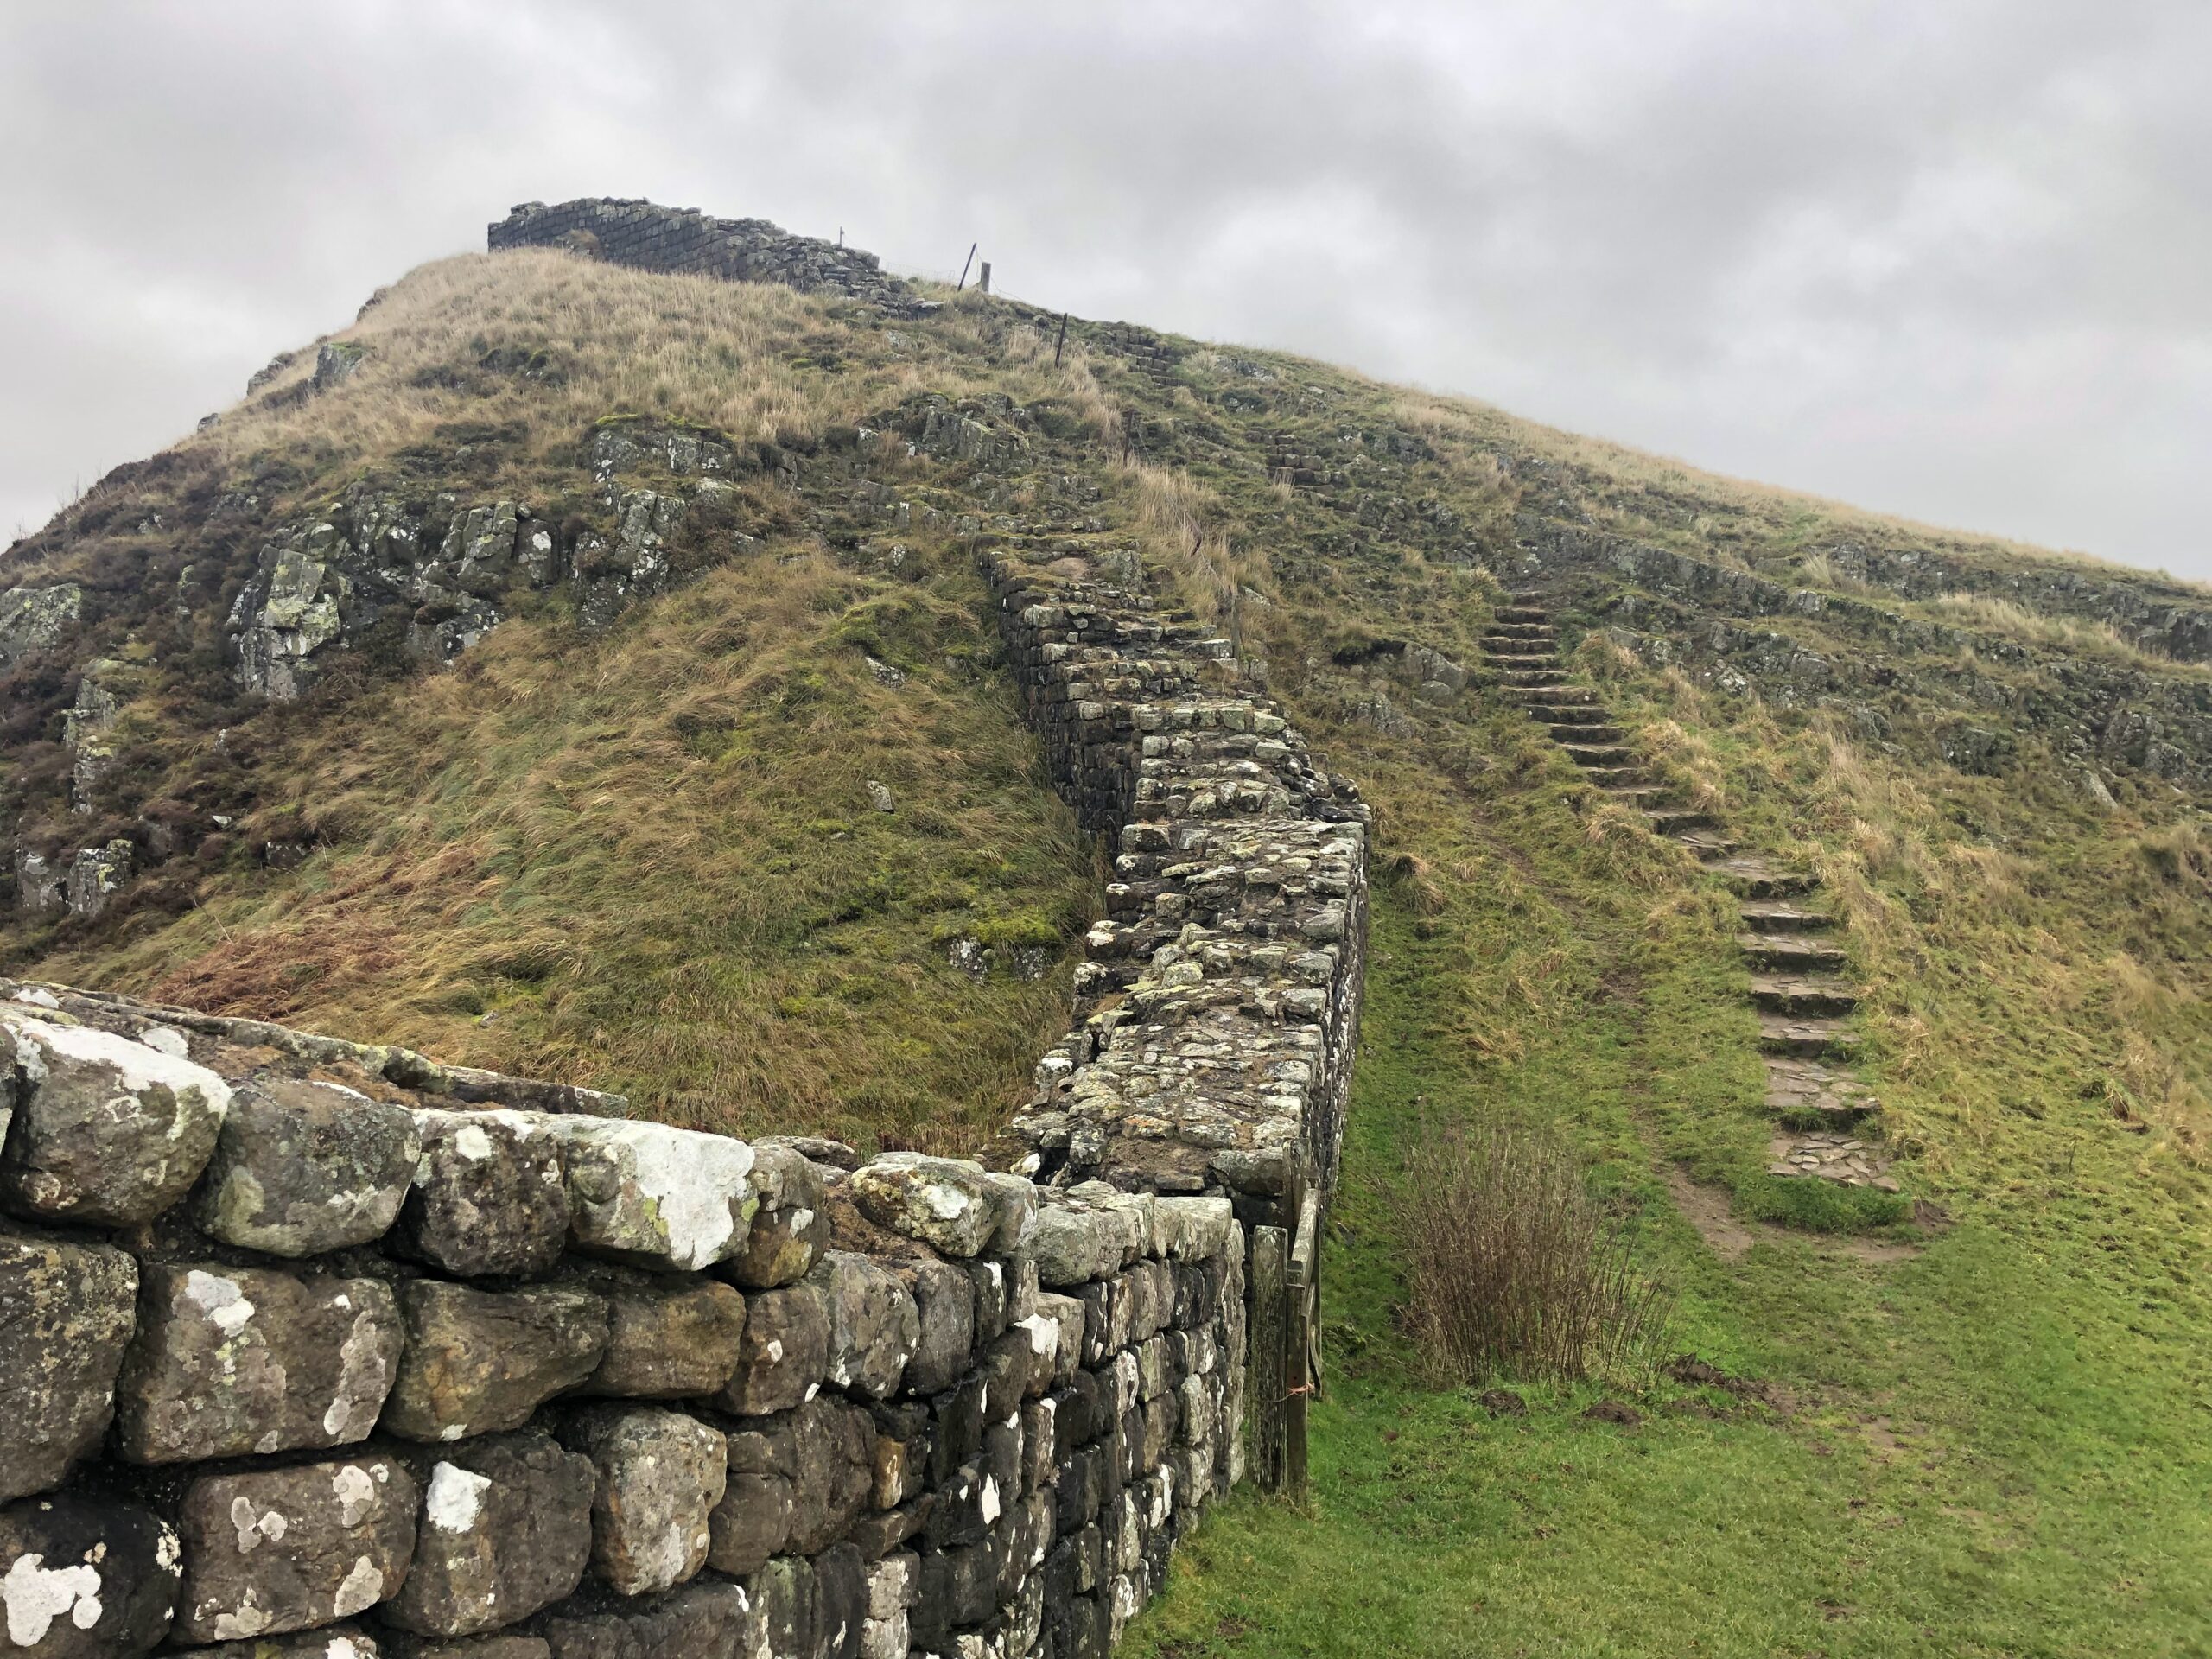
(1942, 259)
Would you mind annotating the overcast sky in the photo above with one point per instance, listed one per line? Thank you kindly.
(1943, 258)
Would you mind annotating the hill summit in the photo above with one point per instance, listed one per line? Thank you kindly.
(587, 665)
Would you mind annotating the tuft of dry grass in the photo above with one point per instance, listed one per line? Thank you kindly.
(2067, 634)
(1512, 1268)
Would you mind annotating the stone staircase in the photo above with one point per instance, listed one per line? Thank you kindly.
(1825, 1120)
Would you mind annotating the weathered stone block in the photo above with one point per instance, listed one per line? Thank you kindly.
(784, 1353)
(108, 1132)
(944, 1307)
(228, 1361)
(904, 1435)
(754, 1517)
(505, 1530)
(83, 1578)
(784, 1592)
(791, 1230)
(657, 1196)
(301, 1168)
(67, 1311)
(488, 1195)
(949, 1203)
(507, 1644)
(700, 1621)
(660, 1475)
(332, 1642)
(874, 1325)
(831, 1457)
(1067, 1314)
(272, 1550)
(481, 1361)
(667, 1337)
(840, 1602)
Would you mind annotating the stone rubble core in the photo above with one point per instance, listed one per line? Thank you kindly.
(1219, 1004)
(310, 1347)
(647, 237)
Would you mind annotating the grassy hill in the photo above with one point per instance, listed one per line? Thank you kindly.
(641, 850)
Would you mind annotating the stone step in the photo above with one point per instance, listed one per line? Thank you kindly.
(1599, 754)
(1568, 714)
(1520, 614)
(1556, 697)
(1499, 645)
(1567, 731)
(1791, 951)
(1705, 843)
(1681, 820)
(1521, 630)
(1524, 678)
(1755, 878)
(1785, 919)
(1807, 1036)
(1636, 795)
(1803, 993)
(1826, 1156)
(1611, 777)
(1810, 1091)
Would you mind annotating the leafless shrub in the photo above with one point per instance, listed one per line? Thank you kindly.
(1515, 1270)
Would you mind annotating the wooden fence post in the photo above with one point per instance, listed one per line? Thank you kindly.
(964, 264)
(1301, 1373)
(1270, 1265)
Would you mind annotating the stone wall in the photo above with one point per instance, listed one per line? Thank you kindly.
(651, 237)
(312, 1348)
(1219, 1003)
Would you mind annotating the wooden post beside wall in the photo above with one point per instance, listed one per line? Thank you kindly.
(1270, 1271)
(1301, 1370)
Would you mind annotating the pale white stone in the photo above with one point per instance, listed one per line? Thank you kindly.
(455, 1497)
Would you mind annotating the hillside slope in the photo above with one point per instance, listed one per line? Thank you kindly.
(585, 672)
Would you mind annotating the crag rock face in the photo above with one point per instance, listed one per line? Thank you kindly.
(1797, 648)
(428, 578)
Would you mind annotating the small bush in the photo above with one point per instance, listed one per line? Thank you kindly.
(1514, 1269)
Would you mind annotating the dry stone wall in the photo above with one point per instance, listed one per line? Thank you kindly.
(313, 1348)
(1219, 1001)
(652, 238)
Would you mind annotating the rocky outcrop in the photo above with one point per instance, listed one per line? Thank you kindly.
(85, 730)
(650, 237)
(325, 584)
(1677, 608)
(433, 578)
(32, 618)
(661, 1392)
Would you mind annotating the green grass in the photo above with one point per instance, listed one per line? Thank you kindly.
(1989, 1448)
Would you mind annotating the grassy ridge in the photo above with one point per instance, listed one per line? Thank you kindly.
(648, 860)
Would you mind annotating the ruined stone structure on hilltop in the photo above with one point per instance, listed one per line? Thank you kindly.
(654, 238)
